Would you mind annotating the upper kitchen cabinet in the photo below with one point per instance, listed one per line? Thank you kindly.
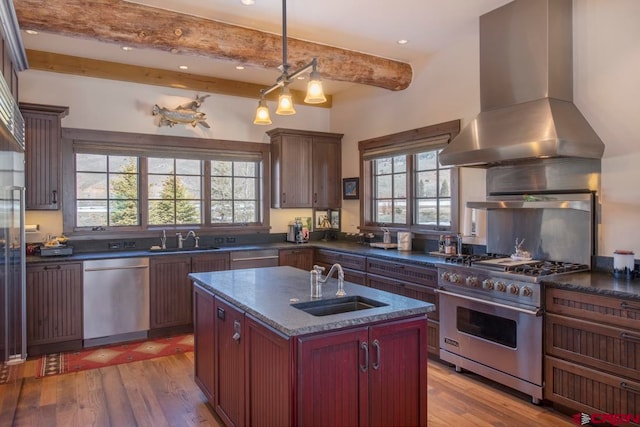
(305, 169)
(43, 134)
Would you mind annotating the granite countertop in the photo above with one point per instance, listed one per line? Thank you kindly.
(267, 294)
(597, 283)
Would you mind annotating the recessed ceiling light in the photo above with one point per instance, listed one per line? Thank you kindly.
(248, 2)
(32, 32)
(403, 41)
(183, 67)
(127, 48)
(239, 67)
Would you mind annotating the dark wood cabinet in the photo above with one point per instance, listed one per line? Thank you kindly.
(204, 340)
(354, 266)
(413, 281)
(305, 169)
(301, 258)
(592, 352)
(43, 180)
(374, 375)
(170, 289)
(229, 363)
(54, 307)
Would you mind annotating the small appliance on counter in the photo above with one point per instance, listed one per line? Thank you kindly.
(297, 233)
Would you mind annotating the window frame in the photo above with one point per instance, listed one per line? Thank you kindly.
(146, 145)
(406, 143)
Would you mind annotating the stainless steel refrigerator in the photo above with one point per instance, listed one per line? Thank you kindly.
(13, 343)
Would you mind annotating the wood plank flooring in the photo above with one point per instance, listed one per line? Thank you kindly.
(161, 392)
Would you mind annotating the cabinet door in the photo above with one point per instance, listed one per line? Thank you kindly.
(299, 258)
(229, 393)
(210, 262)
(54, 304)
(326, 173)
(398, 373)
(170, 291)
(42, 155)
(333, 379)
(204, 337)
(294, 172)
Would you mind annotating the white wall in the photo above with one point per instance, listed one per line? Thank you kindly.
(126, 107)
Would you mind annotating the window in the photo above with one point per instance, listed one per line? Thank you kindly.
(405, 186)
(129, 182)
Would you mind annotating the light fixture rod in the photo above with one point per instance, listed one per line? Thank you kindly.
(286, 78)
(285, 65)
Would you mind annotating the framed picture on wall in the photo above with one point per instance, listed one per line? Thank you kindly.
(350, 188)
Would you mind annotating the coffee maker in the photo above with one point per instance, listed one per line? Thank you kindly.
(296, 232)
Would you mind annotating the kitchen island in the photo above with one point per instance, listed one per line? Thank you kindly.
(260, 360)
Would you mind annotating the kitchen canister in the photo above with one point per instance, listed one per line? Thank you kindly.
(623, 264)
(404, 241)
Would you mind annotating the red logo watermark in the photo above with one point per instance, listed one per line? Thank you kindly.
(610, 419)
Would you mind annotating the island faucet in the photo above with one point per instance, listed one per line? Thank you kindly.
(334, 267)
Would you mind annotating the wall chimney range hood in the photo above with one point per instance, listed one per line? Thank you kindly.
(526, 90)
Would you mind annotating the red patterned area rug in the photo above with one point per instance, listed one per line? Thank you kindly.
(61, 363)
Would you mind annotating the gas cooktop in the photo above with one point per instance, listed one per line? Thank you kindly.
(506, 264)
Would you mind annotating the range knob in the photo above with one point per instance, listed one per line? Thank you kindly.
(455, 278)
(527, 291)
(501, 287)
(514, 290)
(487, 284)
(473, 281)
(445, 276)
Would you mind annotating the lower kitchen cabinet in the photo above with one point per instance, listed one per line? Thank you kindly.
(374, 375)
(298, 258)
(54, 307)
(592, 352)
(170, 290)
(368, 375)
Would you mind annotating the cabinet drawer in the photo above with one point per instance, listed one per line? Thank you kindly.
(588, 390)
(354, 262)
(600, 346)
(409, 272)
(595, 308)
(407, 289)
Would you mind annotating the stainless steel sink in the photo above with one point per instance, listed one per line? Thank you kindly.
(326, 307)
(189, 249)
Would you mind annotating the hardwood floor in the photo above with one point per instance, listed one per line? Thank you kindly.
(161, 392)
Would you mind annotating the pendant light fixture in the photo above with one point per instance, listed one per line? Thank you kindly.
(315, 92)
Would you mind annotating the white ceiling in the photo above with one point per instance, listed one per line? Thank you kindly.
(369, 26)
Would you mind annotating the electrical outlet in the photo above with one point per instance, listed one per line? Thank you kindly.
(231, 239)
(218, 240)
(129, 245)
(114, 245)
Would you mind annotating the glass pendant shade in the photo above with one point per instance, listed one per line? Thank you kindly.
(315, 92)
(285, 103)
(262, 114)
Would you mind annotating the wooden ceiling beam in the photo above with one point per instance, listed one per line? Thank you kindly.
(65, 64)
(118, 21)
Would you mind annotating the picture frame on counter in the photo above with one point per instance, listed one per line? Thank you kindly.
(351, 188)
(326, 219)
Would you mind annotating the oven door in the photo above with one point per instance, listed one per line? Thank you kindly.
(498, 336)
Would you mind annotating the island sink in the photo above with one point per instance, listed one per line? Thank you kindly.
(326, 307)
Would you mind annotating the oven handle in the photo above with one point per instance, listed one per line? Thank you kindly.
(536, 312)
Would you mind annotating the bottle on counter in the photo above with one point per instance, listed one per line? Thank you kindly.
(441, 244)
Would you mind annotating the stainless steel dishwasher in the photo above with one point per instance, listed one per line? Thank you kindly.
(116, 300)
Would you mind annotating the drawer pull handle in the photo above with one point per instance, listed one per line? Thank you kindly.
(625, 305)
(630, 337)
(365, 347)
(627, 387)
(57, 267)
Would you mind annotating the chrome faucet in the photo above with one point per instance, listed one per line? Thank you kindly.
(181, 239)
(320, 279)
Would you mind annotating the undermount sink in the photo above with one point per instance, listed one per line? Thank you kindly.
(326, 307)
(188, 249)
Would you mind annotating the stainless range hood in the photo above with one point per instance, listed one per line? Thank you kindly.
(526, 90)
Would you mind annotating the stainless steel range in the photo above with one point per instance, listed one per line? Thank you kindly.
(492, 321)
